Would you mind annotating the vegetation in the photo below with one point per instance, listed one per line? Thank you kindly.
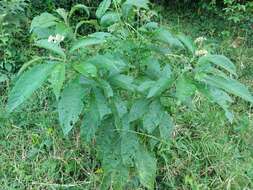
(139, 103)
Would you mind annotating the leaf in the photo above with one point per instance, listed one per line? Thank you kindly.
(187, 42)
(138, 3)
(70, 105)
(85, 42)
(101, 103)
(50, 46)
(109, 19)
(27, 83)
(3, 78)
(86, 69)
(123, 81)
(185, 89)
(102, 8)
(219, 60)
(120, 106)
(230, 85)
(146, 168)
(78, 7)
(57, 79)
(152, 117)
(45, 20)
(161, 85)
(90, 123)
(153, 68)
(107, 88)
(165, 127)
(138, 109)
(165, 36)
(63, 13)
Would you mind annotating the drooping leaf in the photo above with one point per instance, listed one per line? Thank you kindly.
(27, 83)
(161, 85)
(219, 60)
(44, 20)
(85, 42)
(57, 79)
(146, 168)
(101, 103)
(102, 8)
(187, 42)
(165, 36)
(138, 109)
(90, 122)
(79, 7)
(123, 81)
(230, 85)
(152, 117)
(51, 47)
(86, 69)
(138, 3)
(185, 89)
(120, 106)
(63, 13)
(109, 19)
(153, 68)
(165, 127)
(107, 88)
(70, 105)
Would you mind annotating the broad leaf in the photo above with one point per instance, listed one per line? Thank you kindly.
(101, 103)
(185, 89)
(86, 69)
(109, 19)
(165, 127)
(220, 61)
(70, 105)
(187, 42)
(146, 168)
(79, 7)
(161, 85)
(51, 46)
(44, 20)
(230, 85)
(85, 42)
(138, 109)
(138, 3)
(123, 81)
(165, 36)
(57, 79)
(63, 13)
(27, 83)
(102, 8)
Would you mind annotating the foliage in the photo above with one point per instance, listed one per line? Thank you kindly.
(113, 82)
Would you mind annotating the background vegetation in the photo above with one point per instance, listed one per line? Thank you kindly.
(205, 150)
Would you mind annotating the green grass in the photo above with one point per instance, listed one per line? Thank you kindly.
(206, 152)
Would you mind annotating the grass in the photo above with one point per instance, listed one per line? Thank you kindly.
(206, 152)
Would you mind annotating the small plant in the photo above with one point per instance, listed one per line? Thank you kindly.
(115, 80)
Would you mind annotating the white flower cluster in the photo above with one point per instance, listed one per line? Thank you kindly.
(199, 40)
(201, 52)
(55, 39)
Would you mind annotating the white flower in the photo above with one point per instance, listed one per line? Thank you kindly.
(201, 52)
(200, 40)
(56, 39)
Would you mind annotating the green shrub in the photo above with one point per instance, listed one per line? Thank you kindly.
(115, 83)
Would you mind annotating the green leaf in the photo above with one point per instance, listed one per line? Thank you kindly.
(219, 60)
(45, 20)
(120, 106)
(27, 83)
(102, 8)
(85, 42)
(63, 13)
(165, 127)
(138, 3)
(70, 105)
(230, 85)
(138, 109)
(50, 46)
(57, 79)
(152, 117)
(187, 42)
(86, 69)
(123, 81)
(153, 68)
(161, 85)
(3, 77)
(165, 36)
(109, 19)
(185, 89)
(91, 121)
(107, 88)
(146, 168)
(79, 7)
(101, 103)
